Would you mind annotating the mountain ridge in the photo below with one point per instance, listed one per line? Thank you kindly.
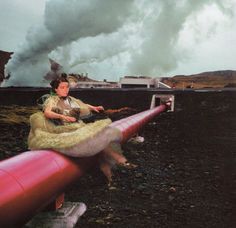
(214, 79)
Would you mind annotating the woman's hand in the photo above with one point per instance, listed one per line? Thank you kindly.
(68, 118)
(53, 115)
(96, 108)
(99, 108)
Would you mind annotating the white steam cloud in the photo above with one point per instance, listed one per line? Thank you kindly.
(64, 22)
(135, 37)
(159, 52)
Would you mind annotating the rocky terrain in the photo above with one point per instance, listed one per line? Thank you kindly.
(186, 167)
(214, 79)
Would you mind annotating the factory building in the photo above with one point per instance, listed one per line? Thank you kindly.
(141, 82)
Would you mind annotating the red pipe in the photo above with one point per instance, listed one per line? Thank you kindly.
(131, 125)
(33, 179)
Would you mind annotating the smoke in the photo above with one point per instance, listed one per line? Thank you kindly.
(64, 22)
(103, 56)
(100, 48)
(135, 37)
(160, 51)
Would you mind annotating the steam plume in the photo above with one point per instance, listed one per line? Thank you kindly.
(64, 22)
(117, 37)
(159, 52)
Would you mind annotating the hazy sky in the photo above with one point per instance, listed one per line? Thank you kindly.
(110, 38)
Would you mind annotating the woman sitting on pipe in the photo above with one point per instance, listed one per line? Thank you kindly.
(61, 127)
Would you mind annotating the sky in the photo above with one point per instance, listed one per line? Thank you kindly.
(108, 39)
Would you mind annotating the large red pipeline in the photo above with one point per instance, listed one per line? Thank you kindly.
(131, 125)
(33, 179)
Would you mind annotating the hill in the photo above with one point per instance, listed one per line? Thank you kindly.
(214, 79)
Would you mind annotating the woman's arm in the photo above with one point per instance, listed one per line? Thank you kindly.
(95, 108)
(87, 107)
(48, 113)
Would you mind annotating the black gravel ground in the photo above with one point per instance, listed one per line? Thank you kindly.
(186, 169)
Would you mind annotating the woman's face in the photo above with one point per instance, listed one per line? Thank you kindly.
(63, 89)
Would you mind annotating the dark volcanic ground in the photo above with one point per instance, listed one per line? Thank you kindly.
(186, 168)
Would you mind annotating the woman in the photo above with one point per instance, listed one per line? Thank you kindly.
(60, 127)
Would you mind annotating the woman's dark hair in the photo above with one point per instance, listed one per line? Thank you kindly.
(55, 83)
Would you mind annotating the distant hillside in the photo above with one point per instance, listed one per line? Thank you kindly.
(214, 79)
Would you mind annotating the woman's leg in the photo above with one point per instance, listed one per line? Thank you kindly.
(116, 156)
(108, 158)
(106, 169)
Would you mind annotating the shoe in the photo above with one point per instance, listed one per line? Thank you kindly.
(111, 186)
(128, 165)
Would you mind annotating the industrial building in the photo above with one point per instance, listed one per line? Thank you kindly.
(141, 82)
